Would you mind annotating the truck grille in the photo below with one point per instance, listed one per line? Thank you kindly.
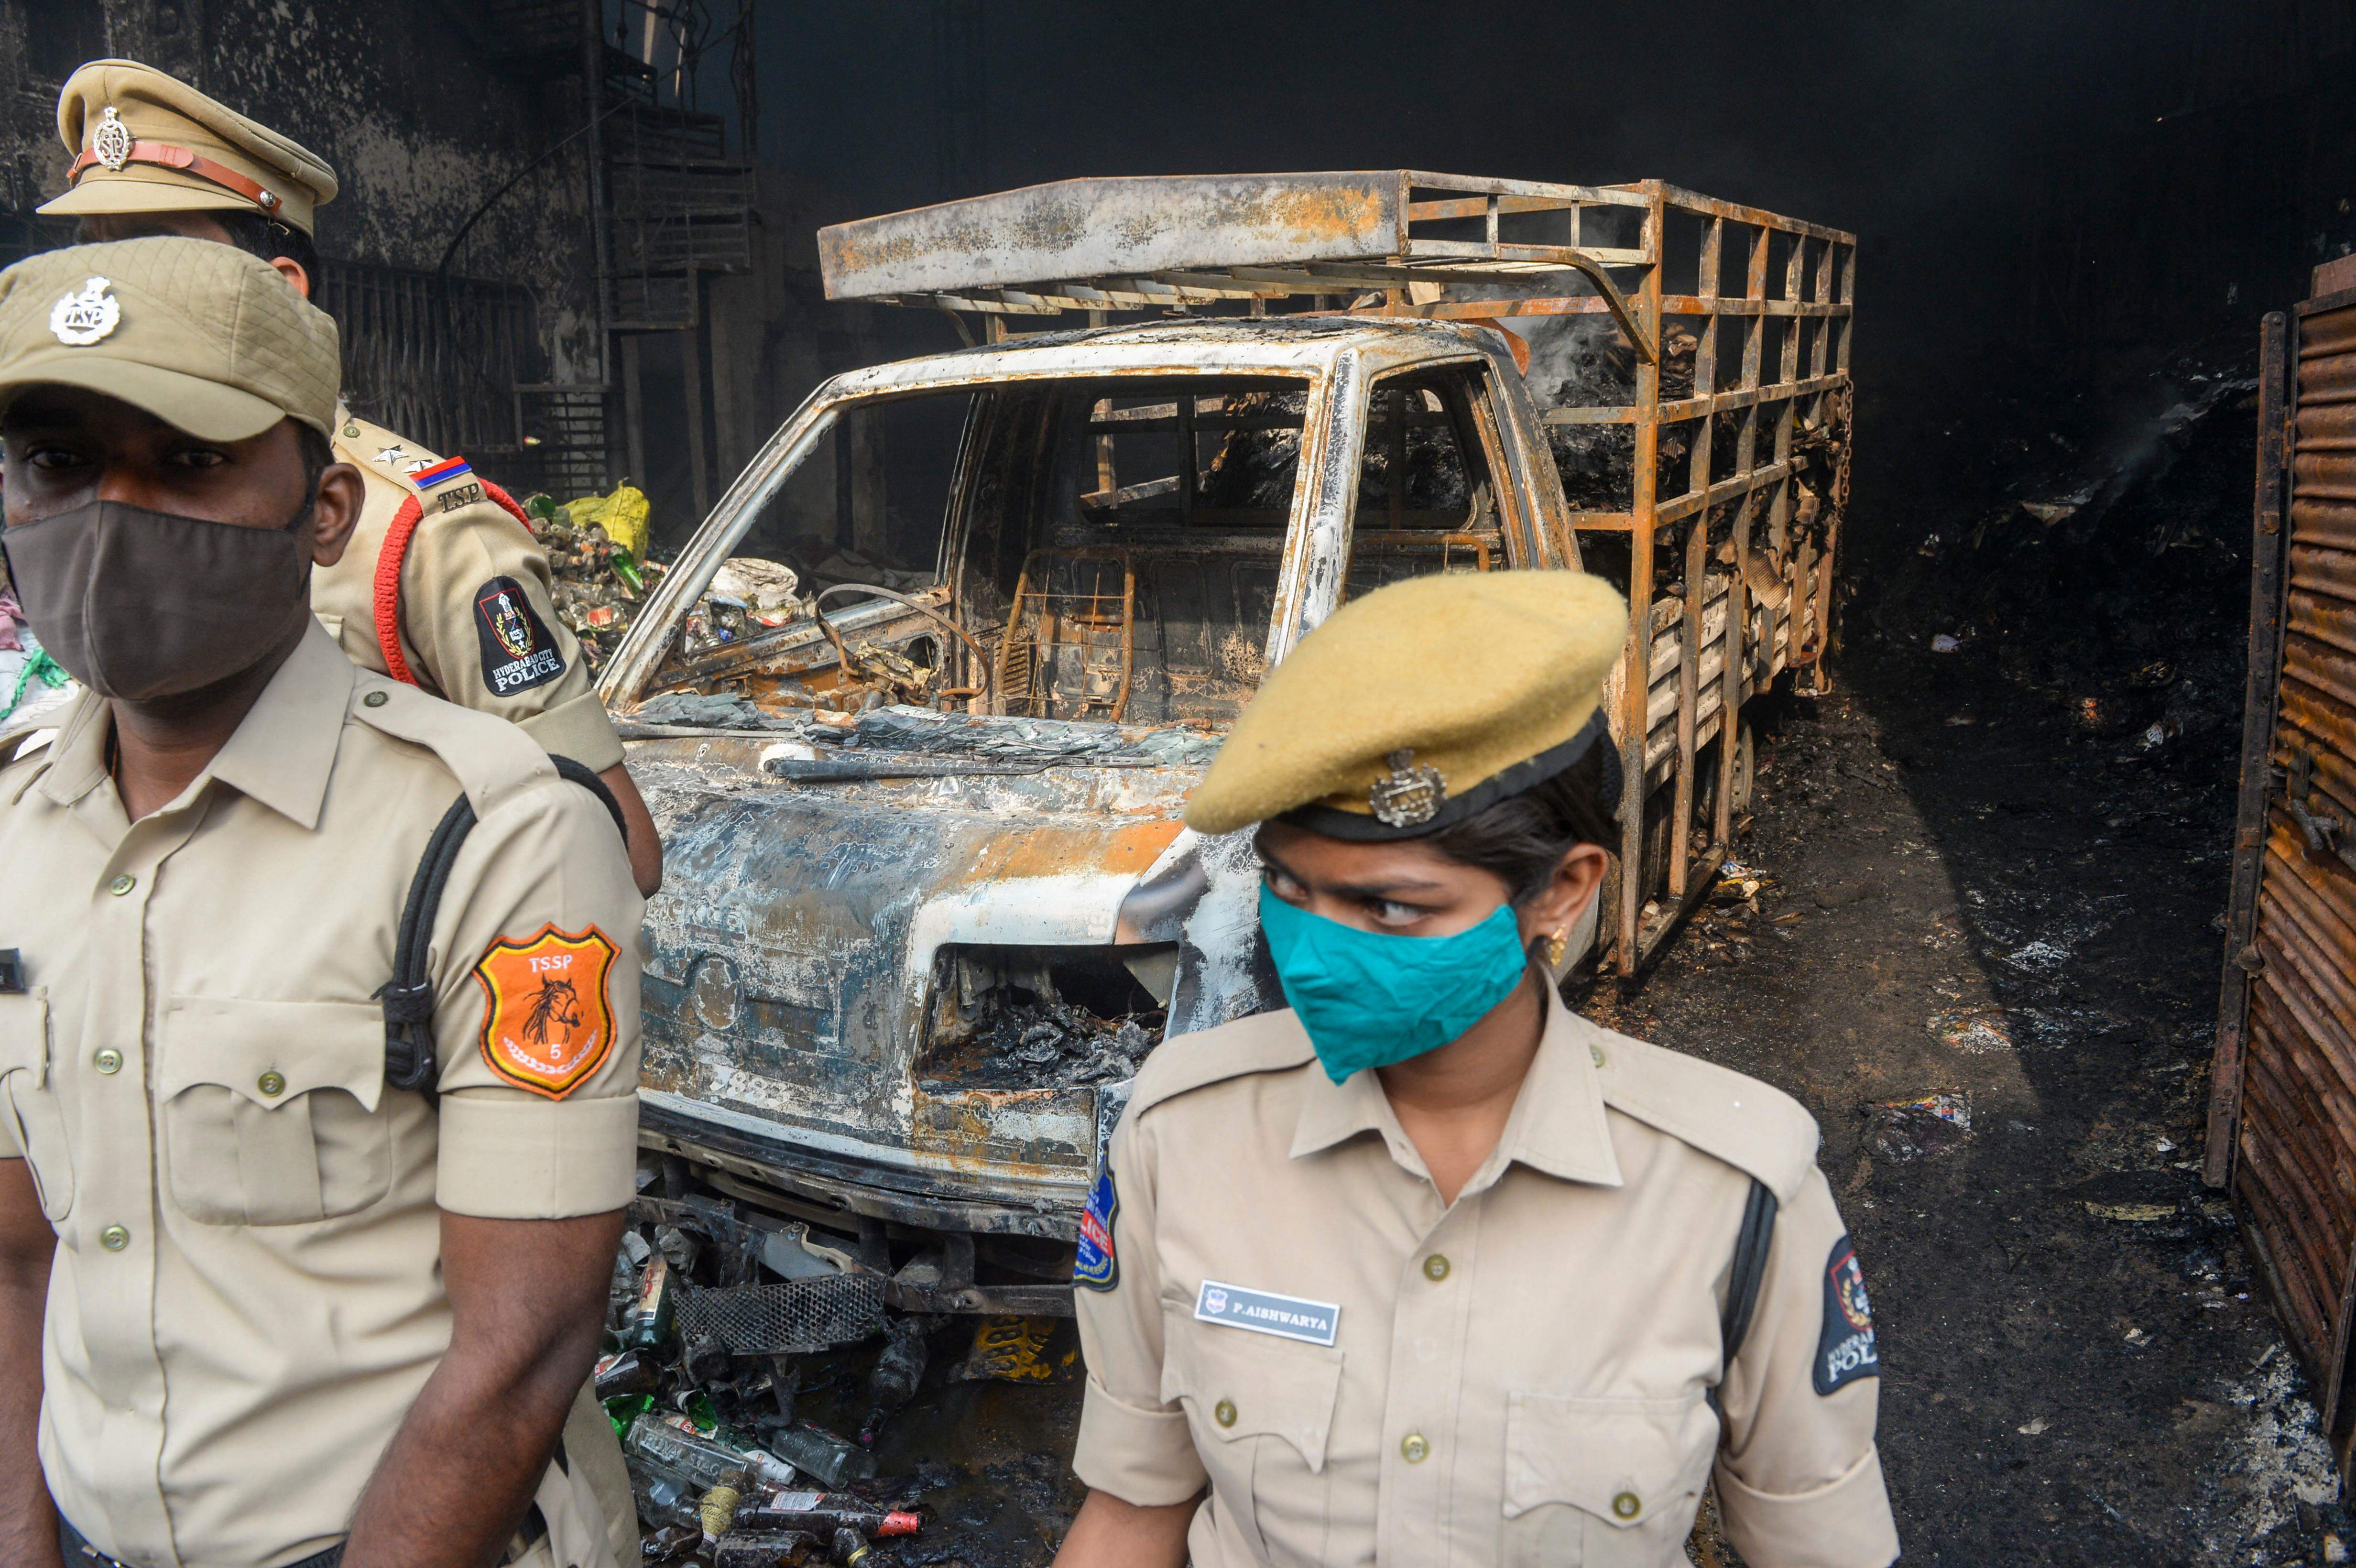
(798, 1314)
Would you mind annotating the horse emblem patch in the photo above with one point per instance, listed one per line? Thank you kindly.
(547, 1024)
(86, 315)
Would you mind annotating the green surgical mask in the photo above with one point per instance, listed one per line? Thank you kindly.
(1369, 998)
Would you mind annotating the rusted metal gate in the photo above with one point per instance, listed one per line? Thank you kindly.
(2282, 1120)
(438, 359)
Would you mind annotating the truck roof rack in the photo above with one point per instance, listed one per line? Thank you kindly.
(1150, 242)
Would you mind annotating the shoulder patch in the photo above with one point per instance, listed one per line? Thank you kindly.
(518, 654)
(548, 1023)
(1096, 1268)
(1845, 1346)
(1728, 1115)
(1263, 1042)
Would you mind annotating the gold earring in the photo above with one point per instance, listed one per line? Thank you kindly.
(1555, 946)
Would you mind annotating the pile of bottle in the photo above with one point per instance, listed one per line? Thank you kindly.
(781, 1494)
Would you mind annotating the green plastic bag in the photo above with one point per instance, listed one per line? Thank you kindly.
(41, 668)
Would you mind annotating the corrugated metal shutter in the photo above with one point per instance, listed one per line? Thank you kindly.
(2282, 1115)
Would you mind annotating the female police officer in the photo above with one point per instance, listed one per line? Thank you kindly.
(1429, 1269)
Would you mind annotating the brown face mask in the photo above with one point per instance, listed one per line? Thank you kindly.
(139, 604)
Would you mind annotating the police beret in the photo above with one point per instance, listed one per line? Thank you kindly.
(145, 141)
(1419, 704)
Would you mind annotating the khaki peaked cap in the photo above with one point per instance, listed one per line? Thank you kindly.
(198, 333)
(1489, 682)
(187, 143)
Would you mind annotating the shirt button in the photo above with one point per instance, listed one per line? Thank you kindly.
(108, 1061)
(375, 699)
(1627, 1504)
(1596, 1051)
(1415, 1448)
(121, 885)
(114, 1238)
(272, 1082)
(1435, 1268)
(1224, 1412)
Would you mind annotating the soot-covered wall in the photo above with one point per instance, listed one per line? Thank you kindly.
(413, 102)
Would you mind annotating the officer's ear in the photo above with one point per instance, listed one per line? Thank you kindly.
(337, 512)
(297, 276)
(1558, 905)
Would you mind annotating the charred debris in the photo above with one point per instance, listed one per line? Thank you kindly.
(2094, 557)
(756, 1360)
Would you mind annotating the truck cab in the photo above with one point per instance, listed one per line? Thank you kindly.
(917, 933)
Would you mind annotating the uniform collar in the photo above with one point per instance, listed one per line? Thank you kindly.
(281, 753)
(1558, 1124)
(284, 751)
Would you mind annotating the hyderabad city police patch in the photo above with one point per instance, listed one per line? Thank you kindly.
(517, 652)
(1845, 1349)
(1095, 1268)
(547, 1025)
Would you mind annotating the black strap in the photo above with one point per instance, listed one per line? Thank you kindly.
(408, 996)
(1749, 1271)
(1744, 1275)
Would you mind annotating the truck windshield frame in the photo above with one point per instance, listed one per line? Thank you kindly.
(1308, 535)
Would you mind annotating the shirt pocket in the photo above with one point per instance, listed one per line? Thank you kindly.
(1261, 1410)
(270, 1109)
(1602, 1483)
(37, 1119)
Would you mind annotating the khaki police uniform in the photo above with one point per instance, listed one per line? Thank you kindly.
(476, 620)
(1277, 1307)
(1522, 1378)
(246, 1298)
(467, 554)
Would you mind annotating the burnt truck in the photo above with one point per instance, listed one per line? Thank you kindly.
(919, 707)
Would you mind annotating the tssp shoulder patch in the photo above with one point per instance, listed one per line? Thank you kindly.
(1845, 1351)
(517, 652)
(1095, 1268)
(547, 1024)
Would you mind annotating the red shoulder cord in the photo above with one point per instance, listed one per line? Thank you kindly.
(387, 573)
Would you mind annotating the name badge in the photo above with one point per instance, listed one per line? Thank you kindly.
(1264, 1312)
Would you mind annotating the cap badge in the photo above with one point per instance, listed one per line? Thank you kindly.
(110, 142)
(83, 316)
(1410, 796)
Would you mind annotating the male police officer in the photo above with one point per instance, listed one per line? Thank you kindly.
(259, 1306)
(467, 614)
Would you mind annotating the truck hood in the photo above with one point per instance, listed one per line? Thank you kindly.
(797, 945)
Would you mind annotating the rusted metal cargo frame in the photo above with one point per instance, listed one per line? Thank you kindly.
(2282, 1114)
(1731, 326)
(1213, 243)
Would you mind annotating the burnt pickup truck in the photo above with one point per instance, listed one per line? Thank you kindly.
(918, 708)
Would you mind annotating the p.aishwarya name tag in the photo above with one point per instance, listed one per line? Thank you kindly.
(1265, 1312)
